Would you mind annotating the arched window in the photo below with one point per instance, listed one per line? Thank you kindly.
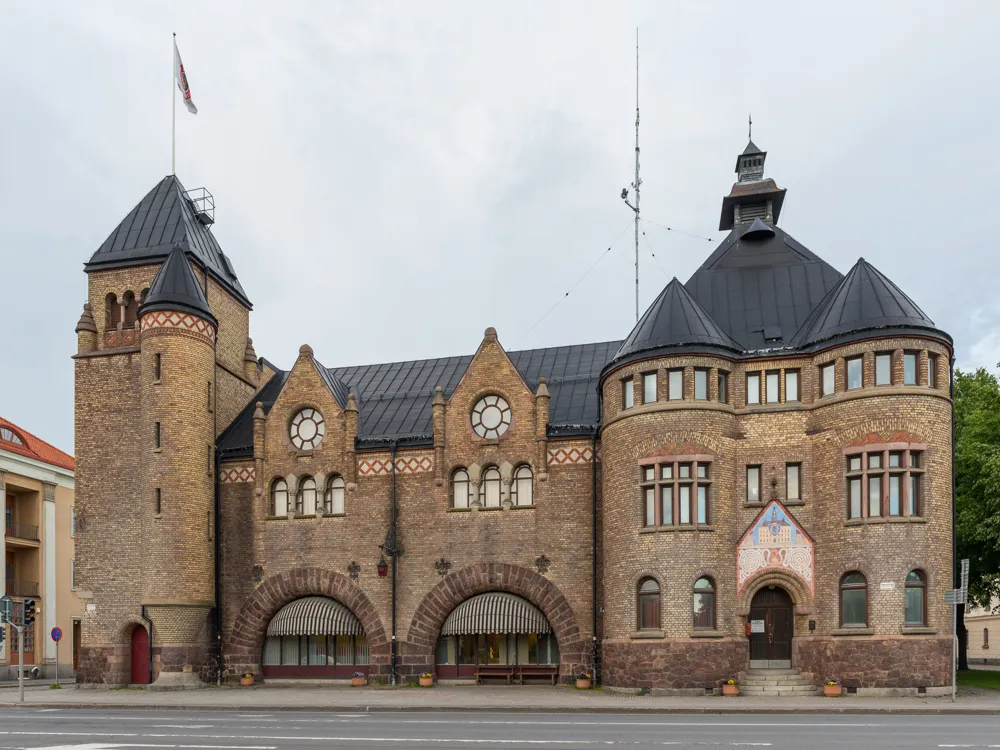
(460, 489)
(142, 296)
(522, 490)
(305, 498)
(915, 613)
(111, 314)
(648, 604)
(489, 488)
(279, 498)
(333, 497)
(853, 601)
(131, 309)
(704, 604)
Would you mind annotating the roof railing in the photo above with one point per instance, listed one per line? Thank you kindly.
(203, 204)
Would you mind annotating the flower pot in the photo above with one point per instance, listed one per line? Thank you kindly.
(583, 684)
(833, 691)
(730, 689)
(426, 682)
(357, 682)
(246, 681)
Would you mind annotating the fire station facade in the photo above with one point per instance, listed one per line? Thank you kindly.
(758, 476)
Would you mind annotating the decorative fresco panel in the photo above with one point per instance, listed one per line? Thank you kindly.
(775, 541)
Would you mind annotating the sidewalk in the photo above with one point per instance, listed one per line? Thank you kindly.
(529, 699)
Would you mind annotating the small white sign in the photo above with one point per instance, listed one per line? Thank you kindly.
(887, 585)
(756, 626)
(91, 607)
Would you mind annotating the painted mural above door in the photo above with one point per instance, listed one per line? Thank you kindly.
(775, 541)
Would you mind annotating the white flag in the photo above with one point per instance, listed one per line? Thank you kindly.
(182, 82)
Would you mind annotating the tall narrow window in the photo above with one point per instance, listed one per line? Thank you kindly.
(895, 496)
(157, 501)
(702, 503)
(156, 435)
(684, 504)
(649, 388)
(279, 498)
(883, 369)
(333, 496)
(157, 366)
(909, 368)
(649, 506)
(753, 388)
(627, 394)
(489, 488)
(701, 384)
(210, 395)
(913, 499)
(828, 377)
(72, 520)
(704, 604)
(932, 371)
(648, 604)
(305, 498)
(793, 473)
(915, 613)
(854, 368)
(853, 601)
(771, 387)
(460, 489)
(874, 495)
(753, 484)
(667, 504)
(723, 387)
(521, 487)
(675, 385)
(72, 575)
(791, 385)
(854, 492)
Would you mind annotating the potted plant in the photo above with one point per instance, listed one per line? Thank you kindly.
(426, 680)
(731, 687)
(833, 688)
(246, 679)
(358, 679)
(583, 681)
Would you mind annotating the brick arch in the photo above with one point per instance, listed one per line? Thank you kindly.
(456, 587)
(247, 638)
(797, 589)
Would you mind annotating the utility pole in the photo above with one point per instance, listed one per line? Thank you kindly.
(638, 182)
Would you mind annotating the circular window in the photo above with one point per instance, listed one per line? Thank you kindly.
(307, 429)
(491, 417)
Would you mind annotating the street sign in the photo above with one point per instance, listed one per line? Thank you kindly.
(6, 609)
(964, 585)
(57, 634)
(954, 596)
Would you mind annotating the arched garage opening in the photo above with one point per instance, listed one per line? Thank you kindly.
(497, 636)
(314, 637)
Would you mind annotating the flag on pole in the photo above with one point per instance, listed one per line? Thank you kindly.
(182, 82)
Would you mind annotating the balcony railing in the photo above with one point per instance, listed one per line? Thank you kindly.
(22, 530)
(22, 588)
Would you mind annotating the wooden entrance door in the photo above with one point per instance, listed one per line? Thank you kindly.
(140, 656)
(771, 645)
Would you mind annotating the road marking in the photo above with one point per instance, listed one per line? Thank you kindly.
(181, 726)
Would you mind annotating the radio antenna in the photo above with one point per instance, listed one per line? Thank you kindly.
(638, 182)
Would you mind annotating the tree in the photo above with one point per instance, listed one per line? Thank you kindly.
(977, 485)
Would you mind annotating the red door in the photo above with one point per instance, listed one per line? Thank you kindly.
(140, 656)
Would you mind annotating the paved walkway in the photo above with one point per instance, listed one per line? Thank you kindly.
(495, 699)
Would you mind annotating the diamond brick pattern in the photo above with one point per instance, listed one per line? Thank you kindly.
(237, 475)
(875, 438)
(567, 455)
(183, 321)
(382, 466)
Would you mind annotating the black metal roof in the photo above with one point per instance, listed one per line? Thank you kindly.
(864, 300)
(769, 281)
(175, 287)
(162, 219)
(394, 399)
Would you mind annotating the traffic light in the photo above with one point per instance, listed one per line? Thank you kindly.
(3, 633)
(29, 612)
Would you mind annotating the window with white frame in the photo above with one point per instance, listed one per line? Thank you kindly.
(333, 495)
(522, 488)
(279, 497)
(305, 498)
(489, 488)
(460, 487)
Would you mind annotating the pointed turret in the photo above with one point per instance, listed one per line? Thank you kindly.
(176, 288)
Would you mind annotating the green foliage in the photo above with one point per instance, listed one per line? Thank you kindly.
(977, 470)
(980, 678)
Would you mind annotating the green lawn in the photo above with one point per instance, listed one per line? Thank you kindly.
(980, 678)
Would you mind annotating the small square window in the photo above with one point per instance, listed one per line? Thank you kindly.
(701, 385)
(909, 369)
(874, 460)
(684, 471)
(914, 459)
(883, 369)
(753, 389)
(791, 385)
(895, 460)
(829, 379)
(649, 388)
(854, 463)
(667, 471)
(723, 387)
(853, 373)
(675, 385)
(627, 394)
(648, 473)
(702, 471)
(771, 388)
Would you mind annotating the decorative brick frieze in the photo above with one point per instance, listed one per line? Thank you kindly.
(237, 474)
(567, 454)
(180, 321)
(406, 463)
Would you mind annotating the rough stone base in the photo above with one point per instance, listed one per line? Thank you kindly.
(879, 662)
(177, 681)
(910, 692)
(673, 665)
(104, 664)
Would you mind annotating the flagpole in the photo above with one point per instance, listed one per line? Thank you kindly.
(173, 110)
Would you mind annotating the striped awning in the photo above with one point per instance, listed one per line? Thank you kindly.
(495, 613)
(314, 615)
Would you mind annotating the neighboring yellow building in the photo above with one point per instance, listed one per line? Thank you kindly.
(983, 626)
(37, 546)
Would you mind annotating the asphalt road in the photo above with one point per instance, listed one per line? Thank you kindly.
(224, 730)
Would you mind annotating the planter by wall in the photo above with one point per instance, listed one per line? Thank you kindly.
(583, 684)
(730, 689)
(833, 691)
(246, 681)
(357, 682)
(426, 682)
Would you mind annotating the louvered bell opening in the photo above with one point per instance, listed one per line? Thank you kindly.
(751, 211)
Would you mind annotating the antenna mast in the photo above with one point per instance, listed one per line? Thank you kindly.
(638, 182)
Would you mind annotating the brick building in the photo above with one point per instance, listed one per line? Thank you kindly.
(758, 476)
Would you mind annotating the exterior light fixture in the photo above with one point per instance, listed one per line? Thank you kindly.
(382, 567)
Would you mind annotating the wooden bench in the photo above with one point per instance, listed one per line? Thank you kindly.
(550, 673)
(504, 671)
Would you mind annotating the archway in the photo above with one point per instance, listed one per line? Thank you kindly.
(771, 629)
(314, 637)
(139, 656)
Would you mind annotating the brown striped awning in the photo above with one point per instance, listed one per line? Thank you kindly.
(315, 615)
(495, 612)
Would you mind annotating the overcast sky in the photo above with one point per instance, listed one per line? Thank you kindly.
(392, 178)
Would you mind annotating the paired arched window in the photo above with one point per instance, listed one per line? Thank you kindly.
(521, 489)
(111, 314)
(305, 498)
(489, 488)
(704, 604)
(279, 498)
(648, 604)
(131, 306)
(460, 488)
(333, 496)
(915, 599)
(853, 601)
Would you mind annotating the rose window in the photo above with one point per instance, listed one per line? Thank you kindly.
(491, 417)
(307, 429)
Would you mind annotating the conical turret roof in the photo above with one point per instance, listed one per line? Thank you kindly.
(176, 288)
(864, 300)
(675, 319)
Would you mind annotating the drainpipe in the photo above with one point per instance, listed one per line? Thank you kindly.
(960, 614)
(217, 509)
(144, 616)
(393, 553)
(593, 499)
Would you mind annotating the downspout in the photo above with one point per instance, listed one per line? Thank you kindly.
(593, 499)
(394, 553)
(144, 616)
(960, 615)
(217, 507)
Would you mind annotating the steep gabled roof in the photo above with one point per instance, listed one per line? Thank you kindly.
(175, 287)
(14, 439)
(675, 319)
(162, 219)
(767, 281)
(864, 300)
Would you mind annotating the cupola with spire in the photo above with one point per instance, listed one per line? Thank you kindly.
(753, 196)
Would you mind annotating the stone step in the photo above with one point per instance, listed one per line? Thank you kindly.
(772, 671)
(777, 680)
(776, 691)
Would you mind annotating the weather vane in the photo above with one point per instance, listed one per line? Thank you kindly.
(750, 126)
